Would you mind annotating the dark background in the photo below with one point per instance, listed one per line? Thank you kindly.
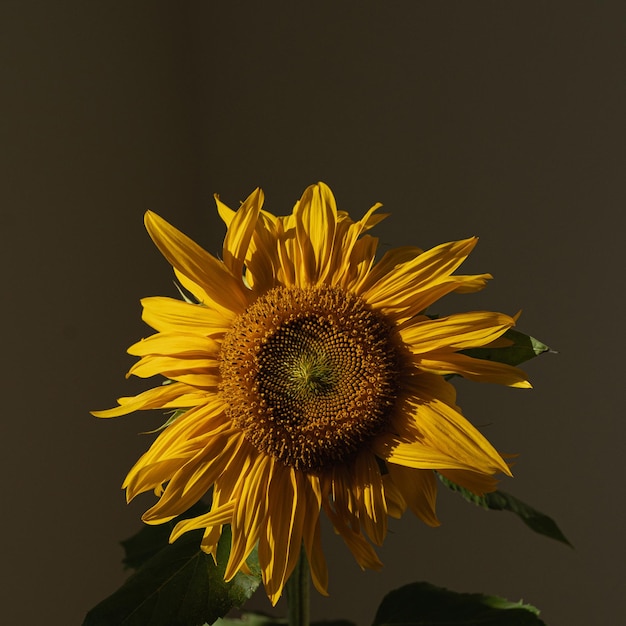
(498, 119)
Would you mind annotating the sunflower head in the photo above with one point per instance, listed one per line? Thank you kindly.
(309, 375)
(308, 379)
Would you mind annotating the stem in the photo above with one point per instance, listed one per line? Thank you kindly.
(297, 589)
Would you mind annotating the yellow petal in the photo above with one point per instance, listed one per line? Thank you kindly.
(240, 232)
(316, 217)
(227, 490)
(312, 534)
(210, 540)
(474, 481)
(425, 384)
(419, 490)
(344, 498)
(416, 274)
(250, 512)
(280, 545)
(200, 296)
(180, 343)
(455, 332)
(179, 441)
(175, 395)
(472, 283)
(388, 264)
(369, 220)
(359, 262)
(442, 427)
(193, 480)
(147, 477)
(408, 303)
(197, 264)
(262, 262)
(480, 370)
(416, 454)
(215, 517)
(396, 504)
(352, 255)
(226, 213)
(358, 545)
(368, 485)
(288, 252)
(202, 373)
(170, 315)
(154, 469)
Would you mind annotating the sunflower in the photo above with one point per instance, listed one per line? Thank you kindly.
(306, 377)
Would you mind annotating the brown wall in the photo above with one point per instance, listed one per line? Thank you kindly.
(500, 119)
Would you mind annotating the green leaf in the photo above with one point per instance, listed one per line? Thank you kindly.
(522, 349)
(179, 585)
(423, 604)
(501, 501)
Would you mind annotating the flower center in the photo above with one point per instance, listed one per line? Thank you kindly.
(309, 375)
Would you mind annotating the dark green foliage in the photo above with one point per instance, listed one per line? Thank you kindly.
(501, 501)
(174, 585)
(423, 604)
(523, 348)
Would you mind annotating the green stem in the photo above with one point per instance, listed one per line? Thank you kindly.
(297, 589)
